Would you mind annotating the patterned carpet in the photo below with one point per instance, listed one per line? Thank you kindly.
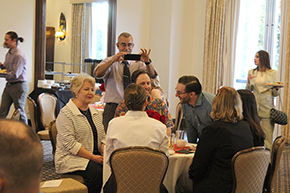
(282, 184)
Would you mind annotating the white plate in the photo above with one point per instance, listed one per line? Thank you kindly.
(277, 85)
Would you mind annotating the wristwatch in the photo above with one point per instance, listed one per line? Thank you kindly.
(147, 63)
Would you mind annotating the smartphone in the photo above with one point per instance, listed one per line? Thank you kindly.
(132, 57)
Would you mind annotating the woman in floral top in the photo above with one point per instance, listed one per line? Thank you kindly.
(142, 78)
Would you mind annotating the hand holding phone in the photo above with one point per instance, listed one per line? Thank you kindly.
(132, 57)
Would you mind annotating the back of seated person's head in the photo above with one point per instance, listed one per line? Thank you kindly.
(250, 112)
(227, 105)
(191, 83)
(21, 158)
(137, 73)
(135, 97)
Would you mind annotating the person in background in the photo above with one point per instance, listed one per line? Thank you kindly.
(251, 116)
(21, 158)
(80, 139)
(116, 72)
(257, 83)
(196, 106)
(142, 78)
(210, 170)
(16, 87)
(157, 91)
(135, 128)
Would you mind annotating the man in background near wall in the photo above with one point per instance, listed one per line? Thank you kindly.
(16, 87)
(21, 158)
(196, 106)
(116, 73)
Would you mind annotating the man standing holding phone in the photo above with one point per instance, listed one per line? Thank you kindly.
(116, 73)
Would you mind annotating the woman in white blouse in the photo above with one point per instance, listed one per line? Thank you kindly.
(81, 137)
(257, 83)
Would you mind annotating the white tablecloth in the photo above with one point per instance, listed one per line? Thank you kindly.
(178, 164)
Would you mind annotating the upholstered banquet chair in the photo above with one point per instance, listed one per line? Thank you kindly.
(276, 154)
(52, 134)
(68, 185)
(43, 134)
(249, 169)
(138, 169)
(179, 118)
(47, 104)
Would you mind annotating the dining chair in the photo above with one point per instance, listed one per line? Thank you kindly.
(68, 185)
(138, 169)
(47, 104)
(32, 108)
(276, 154)
(249, 169)
(179, 118)
(16, 115)
(52, 134)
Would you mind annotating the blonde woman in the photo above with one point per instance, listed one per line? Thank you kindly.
(81, 136)
(210, 170)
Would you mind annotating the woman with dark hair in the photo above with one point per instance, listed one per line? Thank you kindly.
(16, 88)
(135, 128)
(258, 79)
(251, 116)
(210, 170)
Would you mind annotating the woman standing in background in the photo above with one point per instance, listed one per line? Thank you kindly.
(264, 94)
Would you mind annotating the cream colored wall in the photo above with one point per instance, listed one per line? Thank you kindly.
(62, 49)
(18, 16)
(173, 29)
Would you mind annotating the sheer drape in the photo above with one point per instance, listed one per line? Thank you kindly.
(229, 51)
(78, 35)
(286, 99)
(214, 44)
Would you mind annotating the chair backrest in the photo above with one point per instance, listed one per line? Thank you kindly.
(138, 169)
(52, 135)
(276, 154)
(16, 115)
(249, 169)
(179, 118)
(47, 104)
(32, 109)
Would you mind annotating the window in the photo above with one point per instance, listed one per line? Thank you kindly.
(258, 29)
(99, 30)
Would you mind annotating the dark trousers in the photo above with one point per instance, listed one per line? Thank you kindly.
(108, 114)
(93, 176)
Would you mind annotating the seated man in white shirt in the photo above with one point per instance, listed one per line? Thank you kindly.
(135, 128)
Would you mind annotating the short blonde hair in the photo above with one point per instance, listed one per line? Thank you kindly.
(78, 81)
(227, 106)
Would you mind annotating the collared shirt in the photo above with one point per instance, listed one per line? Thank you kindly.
(154, 104)
(198, 117)
(135, 129)
(15, 64)
(113, 79)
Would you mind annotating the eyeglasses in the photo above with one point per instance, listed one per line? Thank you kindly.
(123, 45)
(179, 93)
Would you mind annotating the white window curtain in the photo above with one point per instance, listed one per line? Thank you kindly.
(214, 44)
(229, 52)
(78, 36)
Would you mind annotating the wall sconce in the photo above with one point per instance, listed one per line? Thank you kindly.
(60, 34)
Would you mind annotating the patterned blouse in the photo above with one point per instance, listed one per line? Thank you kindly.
(154, 104)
